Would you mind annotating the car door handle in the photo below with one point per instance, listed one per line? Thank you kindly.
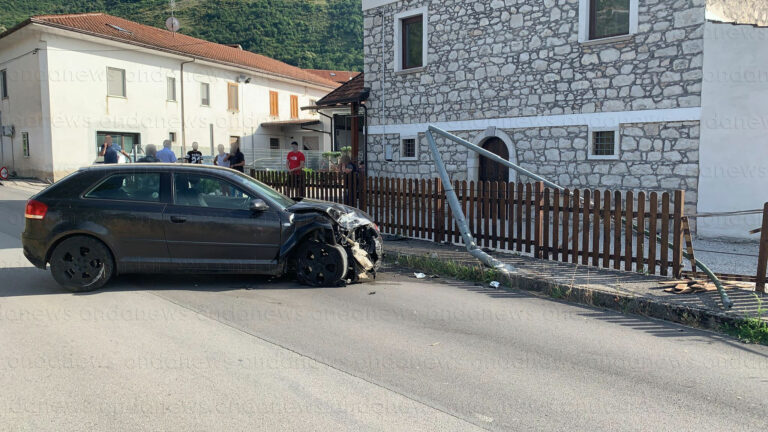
(178, 219)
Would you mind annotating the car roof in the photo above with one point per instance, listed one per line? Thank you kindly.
(170, 167)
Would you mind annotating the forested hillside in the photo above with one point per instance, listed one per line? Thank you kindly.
(316, 34)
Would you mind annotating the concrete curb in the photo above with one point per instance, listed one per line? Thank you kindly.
(612, 300)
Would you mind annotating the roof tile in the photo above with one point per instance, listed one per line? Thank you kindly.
(103, 25)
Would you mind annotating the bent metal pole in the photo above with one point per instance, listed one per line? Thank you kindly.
(456, 208)
(458, 215)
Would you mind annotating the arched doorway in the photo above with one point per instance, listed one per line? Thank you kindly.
(491, 170)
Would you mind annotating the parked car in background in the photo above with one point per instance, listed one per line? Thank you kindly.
(159, 218)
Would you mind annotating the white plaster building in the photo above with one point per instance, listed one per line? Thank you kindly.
(67, 80)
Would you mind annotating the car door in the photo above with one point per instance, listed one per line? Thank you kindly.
(126, 208)
(209, 227)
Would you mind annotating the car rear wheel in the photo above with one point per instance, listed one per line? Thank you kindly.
(82, 264)
(320, 264)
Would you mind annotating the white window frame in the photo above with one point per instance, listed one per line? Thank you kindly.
(584, 23)
(415, 148)
(207, 86)
(170, 87)
(125, 85)
(398, 38)
(616, 143)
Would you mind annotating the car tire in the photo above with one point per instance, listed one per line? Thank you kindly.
(82, 264)
(320, 264)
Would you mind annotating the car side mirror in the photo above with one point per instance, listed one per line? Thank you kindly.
(258, 205)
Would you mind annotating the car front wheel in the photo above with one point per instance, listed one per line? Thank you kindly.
(320, 264)
(81, 264)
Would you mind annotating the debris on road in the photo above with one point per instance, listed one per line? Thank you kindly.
(685, 286)
(420, 275)
(495, 285)
(372, 293)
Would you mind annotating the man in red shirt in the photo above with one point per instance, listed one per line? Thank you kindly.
(296, 159)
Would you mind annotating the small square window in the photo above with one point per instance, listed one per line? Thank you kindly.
(205, 94)
(25, 143)
(604, 144)
(274, 143)
(171, 91)
(408, 149)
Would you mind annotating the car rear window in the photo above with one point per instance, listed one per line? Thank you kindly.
(128, 187)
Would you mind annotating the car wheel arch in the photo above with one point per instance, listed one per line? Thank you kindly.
(69, 235)
(306, 232)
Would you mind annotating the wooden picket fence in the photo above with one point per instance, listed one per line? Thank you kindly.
(588, 227)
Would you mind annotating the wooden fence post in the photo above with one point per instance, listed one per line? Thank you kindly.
(762, 261)
(539, 221)
(677, 241)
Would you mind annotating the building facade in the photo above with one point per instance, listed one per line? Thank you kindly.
(606, 94)
(70, 80)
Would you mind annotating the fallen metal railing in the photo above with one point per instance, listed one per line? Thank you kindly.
(488, 260)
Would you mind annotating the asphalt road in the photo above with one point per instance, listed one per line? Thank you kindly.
(194, 353)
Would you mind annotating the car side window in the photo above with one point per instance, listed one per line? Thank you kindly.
(128, 187)
(196, 190)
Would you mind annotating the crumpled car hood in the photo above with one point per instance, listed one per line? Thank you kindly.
(347, 217)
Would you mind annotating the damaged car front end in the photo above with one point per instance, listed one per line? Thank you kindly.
(330, 244)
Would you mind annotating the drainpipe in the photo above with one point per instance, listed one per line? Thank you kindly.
(183, 120)
(365, 138)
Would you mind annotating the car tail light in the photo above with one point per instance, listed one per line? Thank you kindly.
(35, 210)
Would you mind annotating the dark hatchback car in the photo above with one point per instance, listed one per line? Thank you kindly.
(161, 218)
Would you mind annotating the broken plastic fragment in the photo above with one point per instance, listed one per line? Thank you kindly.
(420, 275)
(495, 284)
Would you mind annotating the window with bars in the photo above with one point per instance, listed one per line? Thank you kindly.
(274, 143)
(274, 107)
(25, 143)
(604, 144)
(408, 149)
(233, 97)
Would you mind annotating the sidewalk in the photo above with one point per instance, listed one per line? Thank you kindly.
(623, 291)
(31, 185)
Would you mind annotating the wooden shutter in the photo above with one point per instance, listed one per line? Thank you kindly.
(232, 97)
(274, 108)
(294, 107)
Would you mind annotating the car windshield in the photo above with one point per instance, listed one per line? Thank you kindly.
(264, 190)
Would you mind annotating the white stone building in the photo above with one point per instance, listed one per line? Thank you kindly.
(68, 80)
(611, 94)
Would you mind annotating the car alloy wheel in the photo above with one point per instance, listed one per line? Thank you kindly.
(320, 264)
(81, 264)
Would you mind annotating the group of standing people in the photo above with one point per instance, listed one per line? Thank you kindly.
(114, 153)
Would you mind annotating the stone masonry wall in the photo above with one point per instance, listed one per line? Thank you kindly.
(510, 58)
(653, 157)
